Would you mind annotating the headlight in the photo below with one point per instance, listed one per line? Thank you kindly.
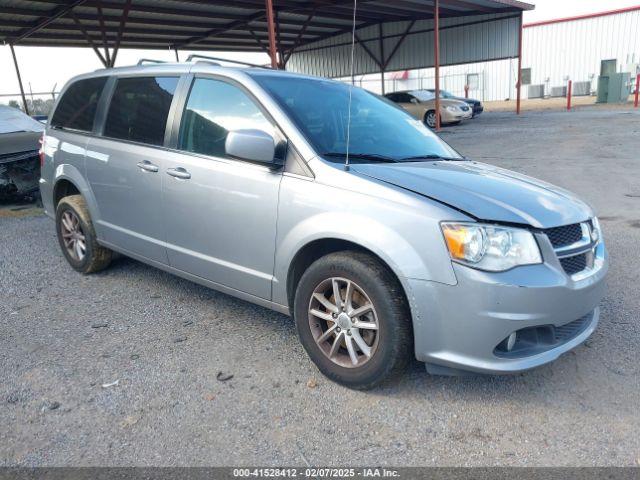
(490, 247)
(596, 232)
(452, 108)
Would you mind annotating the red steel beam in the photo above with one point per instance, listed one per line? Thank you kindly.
(569, 85)
(519, 82)
(583, 17)
(436, 46)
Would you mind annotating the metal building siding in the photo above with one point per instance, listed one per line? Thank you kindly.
(493, 37)
(574, 49)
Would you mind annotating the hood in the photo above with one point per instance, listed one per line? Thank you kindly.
(484, 191)
(18, 142)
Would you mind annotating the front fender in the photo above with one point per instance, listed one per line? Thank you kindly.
(407, 239)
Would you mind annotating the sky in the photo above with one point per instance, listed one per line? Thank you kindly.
(44, 69)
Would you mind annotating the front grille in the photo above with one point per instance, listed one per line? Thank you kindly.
(574, 264)
(563, 236)
(574, 246)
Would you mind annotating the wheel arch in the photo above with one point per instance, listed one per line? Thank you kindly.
(69, 180)
(63, 188)
(318, 248)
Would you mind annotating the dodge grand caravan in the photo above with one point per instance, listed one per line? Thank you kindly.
(238, 179)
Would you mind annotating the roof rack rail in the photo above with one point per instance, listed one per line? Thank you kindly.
(149, 60)
(218, 59)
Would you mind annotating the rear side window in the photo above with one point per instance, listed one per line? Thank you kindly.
(139, 109)
(77, 107)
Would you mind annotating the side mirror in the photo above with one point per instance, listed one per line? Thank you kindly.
(415, 100)
(253, 145)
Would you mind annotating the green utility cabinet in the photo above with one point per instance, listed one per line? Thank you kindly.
(613, 88)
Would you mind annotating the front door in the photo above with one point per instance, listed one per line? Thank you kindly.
(411, 105)
(219, 212)
(124, 165)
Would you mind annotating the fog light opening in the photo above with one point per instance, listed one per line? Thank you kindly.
(511, 341)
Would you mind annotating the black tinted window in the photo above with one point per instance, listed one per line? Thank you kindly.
(213, 110)
(77, 107)
(139, 109)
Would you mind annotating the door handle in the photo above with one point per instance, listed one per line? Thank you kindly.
(179, 172)
(147, 166)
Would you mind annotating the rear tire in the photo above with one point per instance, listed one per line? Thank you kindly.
(370, 339)
(77, 236)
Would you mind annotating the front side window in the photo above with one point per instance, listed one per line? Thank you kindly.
(215, 108)
(320, 110)
(139, 109)
(77, 107)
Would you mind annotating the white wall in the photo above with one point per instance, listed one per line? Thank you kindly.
(569, 49)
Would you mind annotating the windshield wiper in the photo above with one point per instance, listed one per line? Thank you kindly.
(373, 157)
(432, 157)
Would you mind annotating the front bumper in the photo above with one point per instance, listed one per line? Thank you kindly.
(448, 116)
(459, 326)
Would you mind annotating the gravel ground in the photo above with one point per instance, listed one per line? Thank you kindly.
(64, 337)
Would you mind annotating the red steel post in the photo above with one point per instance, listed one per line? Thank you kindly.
(272, 34)
(519, 84)
(436, 41)
(635, 103)
(569, 95)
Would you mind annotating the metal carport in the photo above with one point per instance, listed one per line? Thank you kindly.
(290, 31)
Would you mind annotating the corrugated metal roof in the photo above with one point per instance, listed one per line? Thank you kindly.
(213, 25)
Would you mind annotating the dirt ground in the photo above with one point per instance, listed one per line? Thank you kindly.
(541, 104)
(124, 367)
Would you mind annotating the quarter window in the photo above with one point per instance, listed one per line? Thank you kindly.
(139, 109)
(215, 108)
(77, 107)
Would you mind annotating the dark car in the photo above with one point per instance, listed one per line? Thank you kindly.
(19, 159)
(477, 106)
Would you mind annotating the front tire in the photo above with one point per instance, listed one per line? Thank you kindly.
(77, 236)
(430, 119)
(352, 319)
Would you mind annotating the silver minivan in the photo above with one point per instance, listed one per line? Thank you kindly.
(238, 179)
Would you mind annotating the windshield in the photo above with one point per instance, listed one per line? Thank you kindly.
(379, 128)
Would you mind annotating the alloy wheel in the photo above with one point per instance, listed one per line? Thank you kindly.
(431, 119)
(72, 235)
(344, 322)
